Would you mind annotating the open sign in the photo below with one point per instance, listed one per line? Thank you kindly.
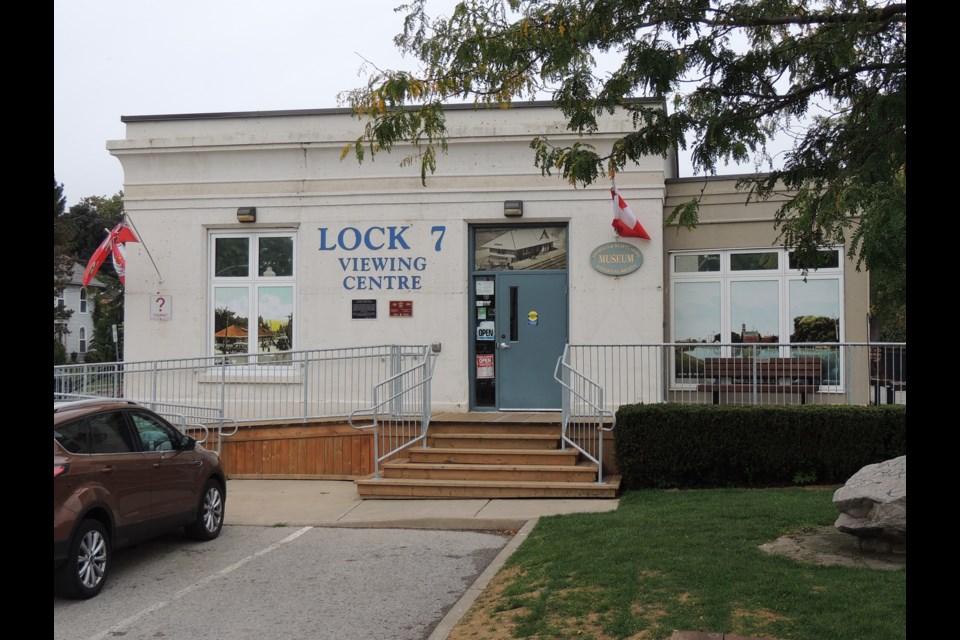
(486, 330)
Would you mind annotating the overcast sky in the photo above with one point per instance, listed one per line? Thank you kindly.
(116, 58)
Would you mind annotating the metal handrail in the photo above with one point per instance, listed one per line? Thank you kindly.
(599, 413)
(391, 423)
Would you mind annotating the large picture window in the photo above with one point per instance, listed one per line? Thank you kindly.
(252, 292)
(755, 303)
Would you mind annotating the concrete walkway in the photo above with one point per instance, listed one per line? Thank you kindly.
(334, 503)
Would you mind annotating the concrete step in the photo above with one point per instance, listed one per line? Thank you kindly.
(402, 488)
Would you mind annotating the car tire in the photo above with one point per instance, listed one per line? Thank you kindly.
(209, 513)
(85, 571)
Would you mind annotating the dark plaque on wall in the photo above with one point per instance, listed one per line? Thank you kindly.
(364, 309)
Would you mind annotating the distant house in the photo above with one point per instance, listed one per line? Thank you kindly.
(76, 334)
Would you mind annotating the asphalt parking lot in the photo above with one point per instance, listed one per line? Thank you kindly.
(290, 582)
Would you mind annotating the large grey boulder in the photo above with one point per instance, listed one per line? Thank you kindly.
(873, 506)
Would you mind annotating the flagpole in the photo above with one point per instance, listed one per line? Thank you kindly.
(128, 219)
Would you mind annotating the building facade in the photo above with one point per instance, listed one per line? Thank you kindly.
(264, 240)
(76, 332)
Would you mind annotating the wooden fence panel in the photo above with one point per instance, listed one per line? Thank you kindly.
(321, 451)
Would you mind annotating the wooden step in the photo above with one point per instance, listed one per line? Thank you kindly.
(493, 456)
(582, 472)
(493, 428)
(401, 488)
(459, 440)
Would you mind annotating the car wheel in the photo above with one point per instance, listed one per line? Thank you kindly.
(85, 571)
(209, 514)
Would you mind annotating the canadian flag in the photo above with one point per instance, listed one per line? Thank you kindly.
(111, 245)
(624, 222)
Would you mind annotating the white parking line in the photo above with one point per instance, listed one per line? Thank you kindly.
(120, 626)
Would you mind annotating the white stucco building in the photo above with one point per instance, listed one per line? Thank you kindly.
(265, 241)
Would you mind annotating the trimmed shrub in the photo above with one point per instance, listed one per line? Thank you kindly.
(698, 446)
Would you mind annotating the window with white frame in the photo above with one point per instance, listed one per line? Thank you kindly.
(83, 300)
(755, 302)
(252, 292)
(83, 339)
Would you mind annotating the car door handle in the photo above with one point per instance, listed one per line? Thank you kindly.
(108, 470)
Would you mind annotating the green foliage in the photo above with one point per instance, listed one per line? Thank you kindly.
(59, 352)
(62, 264)
(90, 219)
(735, 73)
(815, 329)
(76, 235)
(107, 312)
(673, 445)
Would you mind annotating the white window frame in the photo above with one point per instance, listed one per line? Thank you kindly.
(726, 277)
(83, 300)
(82, 339)
(252, 283)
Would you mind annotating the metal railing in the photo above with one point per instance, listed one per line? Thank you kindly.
(197, 423)
(584, 418)
(744, 373)
(225, 390)
(400, 411)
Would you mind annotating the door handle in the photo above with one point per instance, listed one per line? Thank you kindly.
(503, 345)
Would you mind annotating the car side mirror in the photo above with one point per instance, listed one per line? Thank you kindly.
(188, 444)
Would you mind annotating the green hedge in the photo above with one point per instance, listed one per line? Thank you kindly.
(687, 446)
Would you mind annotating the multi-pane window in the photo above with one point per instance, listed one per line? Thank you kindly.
(754, 303)
(252, 292)
(83, 300)
(83, 339)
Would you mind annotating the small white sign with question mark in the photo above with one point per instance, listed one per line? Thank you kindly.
(161, 307)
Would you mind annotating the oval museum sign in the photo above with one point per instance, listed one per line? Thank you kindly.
(616, 258)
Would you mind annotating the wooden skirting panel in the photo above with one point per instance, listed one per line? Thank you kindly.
(324, 451)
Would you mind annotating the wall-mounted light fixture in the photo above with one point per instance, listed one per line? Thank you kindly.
(513, 208)
(247, 214)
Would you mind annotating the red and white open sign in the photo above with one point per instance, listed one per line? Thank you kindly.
(484, 366)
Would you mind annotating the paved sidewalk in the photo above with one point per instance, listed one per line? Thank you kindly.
(334, 503)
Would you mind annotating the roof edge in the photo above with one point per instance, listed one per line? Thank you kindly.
(717, 178)
(227, 115)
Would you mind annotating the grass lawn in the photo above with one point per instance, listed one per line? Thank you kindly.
(686, 560)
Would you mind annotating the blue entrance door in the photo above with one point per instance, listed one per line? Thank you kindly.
(531, 331)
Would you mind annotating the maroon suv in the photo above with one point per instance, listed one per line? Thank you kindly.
(122, 474)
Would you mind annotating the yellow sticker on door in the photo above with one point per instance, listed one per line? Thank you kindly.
(533, 318)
